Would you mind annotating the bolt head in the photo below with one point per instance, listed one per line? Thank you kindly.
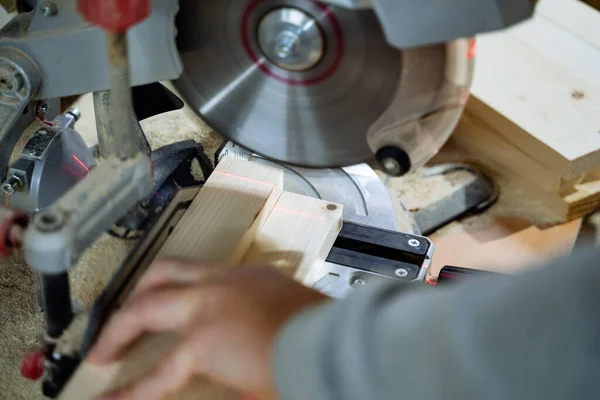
(391, 166)
(401, 273)
(43, 108)
(414, 243)
(357, 282)
(8, 189)
(49, 9)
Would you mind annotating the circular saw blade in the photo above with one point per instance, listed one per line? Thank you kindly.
(317, 116)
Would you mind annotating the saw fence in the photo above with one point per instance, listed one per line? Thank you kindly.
(240, 216)
(534, 114)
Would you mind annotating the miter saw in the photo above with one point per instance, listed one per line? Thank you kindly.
(299, 82)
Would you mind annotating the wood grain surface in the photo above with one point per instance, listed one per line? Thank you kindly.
(537, 85)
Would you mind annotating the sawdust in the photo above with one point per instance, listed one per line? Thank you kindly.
(196, 171)
(21, 325)
(513, 201)
(183, 124)
(21, 321)
(417, 191)
(179, 125)
(96, 267)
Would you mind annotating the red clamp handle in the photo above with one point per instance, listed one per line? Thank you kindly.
(32, 365)
(114, 15)
(12, 226)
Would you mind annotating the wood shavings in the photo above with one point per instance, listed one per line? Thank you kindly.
(176, 126)
(196, 171)
(21, 324)
(96, 267)
(417, 191)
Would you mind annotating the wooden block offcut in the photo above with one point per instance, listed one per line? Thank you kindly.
(297, 236)
(221, 223)
(537, 85)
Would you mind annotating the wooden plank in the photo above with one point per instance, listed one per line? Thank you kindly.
(582, 198)
(219, 226)
(479, 138)
(298, 235)
(227, 213)
(575, 17)
(537, 105)
(576, 55)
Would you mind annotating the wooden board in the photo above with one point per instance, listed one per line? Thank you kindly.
(580, 56)
(574, 16)
(479, 138)
(279, 233)
(574, 199)
(224, 218)
(540, 95)
(298, 235)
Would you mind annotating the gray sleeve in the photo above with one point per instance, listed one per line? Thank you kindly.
(535, 336)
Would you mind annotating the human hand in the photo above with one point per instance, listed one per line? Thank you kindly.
(228, 319)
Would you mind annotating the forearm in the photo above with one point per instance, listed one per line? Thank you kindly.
(522, 337)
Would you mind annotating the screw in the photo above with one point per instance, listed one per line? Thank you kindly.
(393, 160)
(285, 44)
(42, 108)
(357, 282)
(414, 243)
(391, 166)
(49, 9)
(332, 207)
(11, 185)
(401, 273)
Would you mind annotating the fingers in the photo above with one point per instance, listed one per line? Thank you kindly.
(171, 375)
(173, 272)
(167, 310)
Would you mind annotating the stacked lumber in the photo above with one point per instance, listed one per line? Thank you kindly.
(535, 111)
(241, 216)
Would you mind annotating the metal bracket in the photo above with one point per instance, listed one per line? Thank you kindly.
(19, 82)
(64, 37)
(59, 235)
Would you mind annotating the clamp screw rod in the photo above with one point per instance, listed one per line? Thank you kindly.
(122, 105)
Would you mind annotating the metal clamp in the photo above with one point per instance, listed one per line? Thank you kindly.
(59, 235)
